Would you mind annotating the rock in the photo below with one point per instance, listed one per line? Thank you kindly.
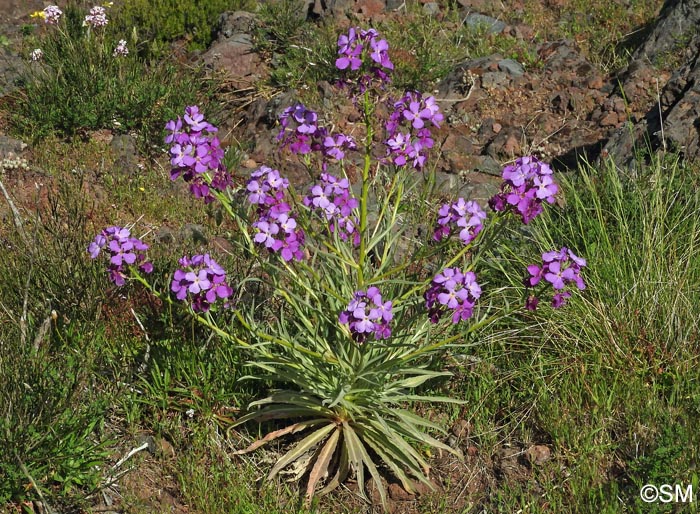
(164, 235)
(237, 59)
(478, 21)
(194, 232)
(398, 493)
(511, 67)
(538, 454)
(677, 20)
(370, 9)
(431, 8)
(595, 82)
(678, 106)
(461, 428)
(124, 147)
(12, 68)
(236, 22)
(494, 80)
(10, 147)
(508, 465)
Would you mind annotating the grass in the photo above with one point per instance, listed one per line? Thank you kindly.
(612, 378)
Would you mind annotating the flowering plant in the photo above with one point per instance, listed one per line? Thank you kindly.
(360, 307)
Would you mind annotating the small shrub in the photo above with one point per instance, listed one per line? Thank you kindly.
(162, 22)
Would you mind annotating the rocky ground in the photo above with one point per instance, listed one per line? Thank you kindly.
(563, 108)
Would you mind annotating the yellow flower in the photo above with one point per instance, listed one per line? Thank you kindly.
(108, 4)
(38, 14)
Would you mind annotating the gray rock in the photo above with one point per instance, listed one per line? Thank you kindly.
(125, 149)
(431, 8)
(677, 20)
(236, 22)
(478, 21)
(452, 184)
(195, 233)
(459, 80)
(12, 68)
(236, 57)
(10, 147)
(511, 67)
(494, 79)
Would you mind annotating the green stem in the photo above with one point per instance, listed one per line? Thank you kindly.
(367, 110)
(207, 322)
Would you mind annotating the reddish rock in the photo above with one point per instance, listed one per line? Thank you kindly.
(595, 82)
(398, 493)
(609, 119)
(538, 454)
(512, 146)
(236, 57)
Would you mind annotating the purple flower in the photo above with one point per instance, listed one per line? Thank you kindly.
(52, 14)
(467, 216)
(452, 290)
(121, 49)
(367, 314)
(364, 56)
(275, 227)
(560, 268)
(124, 251)
(202, 280)
(332, 197)
(414, 112)
(526, 184)
(196, 154)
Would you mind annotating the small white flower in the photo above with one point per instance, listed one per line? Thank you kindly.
(121, 50)
(97, 17)
(36, 55)
(190, 413)
(52, 14)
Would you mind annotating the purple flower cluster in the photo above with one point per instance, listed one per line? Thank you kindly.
(196, 153)
(299, 129)
(468, 216)
(412, 144)
(124, 251)
(302, 134)
(97, 17)
(332, 197)
(364, 47)
(276, 228)
(203, 280)
(367, 314)
(526, 184)
(452, 290)
(559, 268)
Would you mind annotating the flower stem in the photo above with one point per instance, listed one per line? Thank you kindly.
(367, 111)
